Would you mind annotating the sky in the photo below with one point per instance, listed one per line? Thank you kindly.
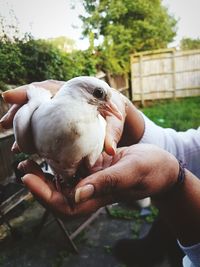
(53, 18)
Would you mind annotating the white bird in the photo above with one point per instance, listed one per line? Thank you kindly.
(68, 130)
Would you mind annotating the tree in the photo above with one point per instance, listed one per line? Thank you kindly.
(24, 59)
(127, 26)
(188, 43)
(63, 43)
(11, 70)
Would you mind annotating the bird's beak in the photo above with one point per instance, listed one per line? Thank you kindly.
(109, 108)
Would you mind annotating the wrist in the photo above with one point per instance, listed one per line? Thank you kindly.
(134, 124)
(174, 180)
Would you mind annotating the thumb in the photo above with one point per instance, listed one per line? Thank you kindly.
(102, 183)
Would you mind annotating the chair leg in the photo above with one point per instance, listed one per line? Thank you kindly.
(67, 235)
(38, 228)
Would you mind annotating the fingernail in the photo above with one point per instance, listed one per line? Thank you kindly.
(15, 148)
(22, 167)
(3, 95)
(23, 178)
(84, 193)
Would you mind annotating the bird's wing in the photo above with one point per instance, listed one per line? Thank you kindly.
(22, 120)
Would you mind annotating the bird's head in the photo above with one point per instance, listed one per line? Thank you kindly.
(93, 90)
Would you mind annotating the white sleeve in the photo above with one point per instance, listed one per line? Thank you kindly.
(184, 146)
(193, 255)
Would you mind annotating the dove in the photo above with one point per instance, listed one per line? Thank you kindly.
(67, 129)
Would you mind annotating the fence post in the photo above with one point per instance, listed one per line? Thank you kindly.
(174, 73)
(141, 80)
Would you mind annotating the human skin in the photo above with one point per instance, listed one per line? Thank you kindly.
(129, 173)
(129, 130)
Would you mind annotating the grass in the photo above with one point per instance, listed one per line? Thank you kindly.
(180, 114)
(122, 213)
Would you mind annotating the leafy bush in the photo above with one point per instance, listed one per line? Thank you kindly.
(28, 60)
(189, 43)
(41, 61)
(11, 69)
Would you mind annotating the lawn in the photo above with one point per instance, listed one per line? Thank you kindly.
(180, 114)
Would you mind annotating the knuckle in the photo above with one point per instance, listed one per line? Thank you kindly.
(110, 183)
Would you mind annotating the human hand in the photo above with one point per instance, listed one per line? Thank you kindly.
(18, 97)
(132, 173)
(114, 131)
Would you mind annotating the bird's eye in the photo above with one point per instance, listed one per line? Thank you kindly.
(99, 93)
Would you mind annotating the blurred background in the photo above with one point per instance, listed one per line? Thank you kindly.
(148, 50)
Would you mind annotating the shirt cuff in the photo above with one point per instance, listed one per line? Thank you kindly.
(193, 253)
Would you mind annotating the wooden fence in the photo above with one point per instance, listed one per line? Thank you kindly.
(6, 157)
(117, 81)
(6, 141)
(165, 74)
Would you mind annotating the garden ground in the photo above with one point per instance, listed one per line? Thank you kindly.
(95, 242)
(50, 248)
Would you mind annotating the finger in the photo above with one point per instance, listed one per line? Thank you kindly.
(114, 131)
(7, 120)
(15, 148)
(19, 95)
(38, 186)
(16, 96)
(114, 128)
(102, 162)
(92, 205)
(30, 166)
(102, 183)
(58, 203)
(46, 194)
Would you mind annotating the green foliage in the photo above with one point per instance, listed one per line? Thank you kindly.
(127, 26)
(123, 213)
(181, 114)
(11, 69)
(20, 157)
(28, 60)
(82, 63)
(63, 43)
(24, 59)
(188, 43)
(135, 229)
(108, 249)
(3, 86)
(152, 216)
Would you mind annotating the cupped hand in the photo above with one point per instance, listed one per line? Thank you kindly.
(132, 173)
(18, 97)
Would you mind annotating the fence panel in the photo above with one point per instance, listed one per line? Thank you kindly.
(164, 74)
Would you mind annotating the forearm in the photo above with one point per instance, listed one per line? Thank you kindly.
(181, 208)
(183, 145)
(133, 127)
